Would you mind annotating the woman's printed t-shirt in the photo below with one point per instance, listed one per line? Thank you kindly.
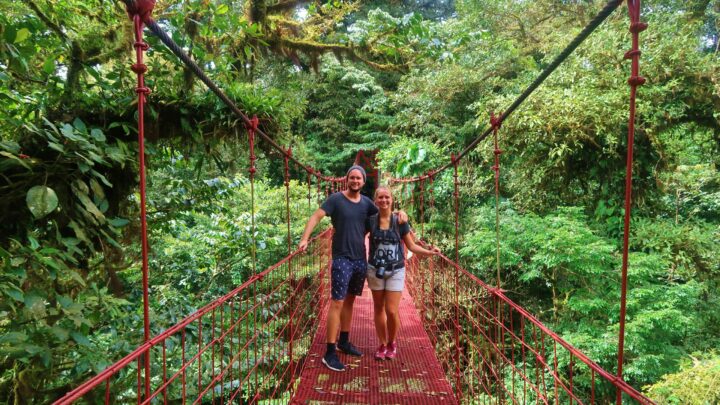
(348, 219)
(385, 244)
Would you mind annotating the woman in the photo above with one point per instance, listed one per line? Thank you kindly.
(386, 269)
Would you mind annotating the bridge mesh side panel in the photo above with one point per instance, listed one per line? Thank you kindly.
(414, 376)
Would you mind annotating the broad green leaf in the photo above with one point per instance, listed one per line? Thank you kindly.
(68, 131)
(49, 65)
(21, 35)
(101, 177)
(98, 192)
(79, 232)
(80, 339)
(222, 9)
(97, 134)
(13, 338)
(10, 146)
(119, 222)
(64, 301)
(15, 293)
(58, 147)
(41, 200)
(16, 159)
(79, 125)
(76, 276)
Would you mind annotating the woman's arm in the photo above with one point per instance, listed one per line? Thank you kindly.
(417, 249)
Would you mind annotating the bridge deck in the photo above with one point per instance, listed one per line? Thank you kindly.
(414, 377)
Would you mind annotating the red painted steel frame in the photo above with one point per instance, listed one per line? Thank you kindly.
(506, 355)
(211, 354)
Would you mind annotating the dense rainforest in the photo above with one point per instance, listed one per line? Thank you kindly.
(416, 80)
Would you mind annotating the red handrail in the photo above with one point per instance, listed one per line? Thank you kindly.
(503, 315)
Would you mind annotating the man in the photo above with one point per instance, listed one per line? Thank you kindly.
(348, 210)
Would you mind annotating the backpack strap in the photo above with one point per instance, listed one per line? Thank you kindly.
(374, 223)
(395, 226)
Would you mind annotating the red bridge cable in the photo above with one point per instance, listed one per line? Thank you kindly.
(495, 124)
(140, 68)
(456, 195)
(286, 162)
(635, 80)
(570, 48)
(252, 126)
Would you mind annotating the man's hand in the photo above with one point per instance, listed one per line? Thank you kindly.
(302, 246)
(402, 217)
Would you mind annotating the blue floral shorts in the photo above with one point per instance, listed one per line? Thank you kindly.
(347, 276)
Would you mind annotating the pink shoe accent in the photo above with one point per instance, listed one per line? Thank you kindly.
(391, 351)
(380, 353)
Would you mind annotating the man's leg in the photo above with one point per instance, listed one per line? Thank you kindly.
(355, 287)
(346, 314)
(340, 274)
(333, 320)
(331, 359)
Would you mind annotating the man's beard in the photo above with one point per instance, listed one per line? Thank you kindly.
(355, 189)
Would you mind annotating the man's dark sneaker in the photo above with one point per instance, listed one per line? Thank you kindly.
(349, 348)
(333, 363)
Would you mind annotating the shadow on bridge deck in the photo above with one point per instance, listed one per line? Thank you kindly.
(414, 377)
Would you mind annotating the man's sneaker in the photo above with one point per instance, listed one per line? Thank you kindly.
(380, 353)
(391, 351)
(333, 363)
(349, 348)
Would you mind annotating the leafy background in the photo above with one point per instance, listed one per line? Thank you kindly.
(415, 79)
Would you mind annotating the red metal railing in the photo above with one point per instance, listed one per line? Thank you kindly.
(503, 354)
(242, 348)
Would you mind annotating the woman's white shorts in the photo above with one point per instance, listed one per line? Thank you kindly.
(394, 283)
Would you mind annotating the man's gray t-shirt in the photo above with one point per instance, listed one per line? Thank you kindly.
(348, 219)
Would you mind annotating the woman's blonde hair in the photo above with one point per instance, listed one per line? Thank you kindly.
(383, 188)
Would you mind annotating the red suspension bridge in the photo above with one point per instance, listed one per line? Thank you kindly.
(463, 341)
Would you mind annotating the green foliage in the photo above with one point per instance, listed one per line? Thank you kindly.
(569, 275)
(203, 239)
(695, 383)
(346, 113)
(554, 256)
(69, 203)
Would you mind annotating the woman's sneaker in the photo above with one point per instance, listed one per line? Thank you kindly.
(380, 353)
(332, 362)
(391, 351)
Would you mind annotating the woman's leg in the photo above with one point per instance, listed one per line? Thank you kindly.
(380, 320)
(392, 305)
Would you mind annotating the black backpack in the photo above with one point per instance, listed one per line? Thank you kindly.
(395, 227)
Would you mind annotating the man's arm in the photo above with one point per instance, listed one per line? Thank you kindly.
(402, 217)
(315, 218)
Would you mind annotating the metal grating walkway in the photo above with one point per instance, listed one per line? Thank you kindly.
(414, 377)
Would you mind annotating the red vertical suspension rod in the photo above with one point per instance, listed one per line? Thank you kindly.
(141, 10)
(291, 332)
(635, 80)
(496, 122)
(252, 127)
(456, 195)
